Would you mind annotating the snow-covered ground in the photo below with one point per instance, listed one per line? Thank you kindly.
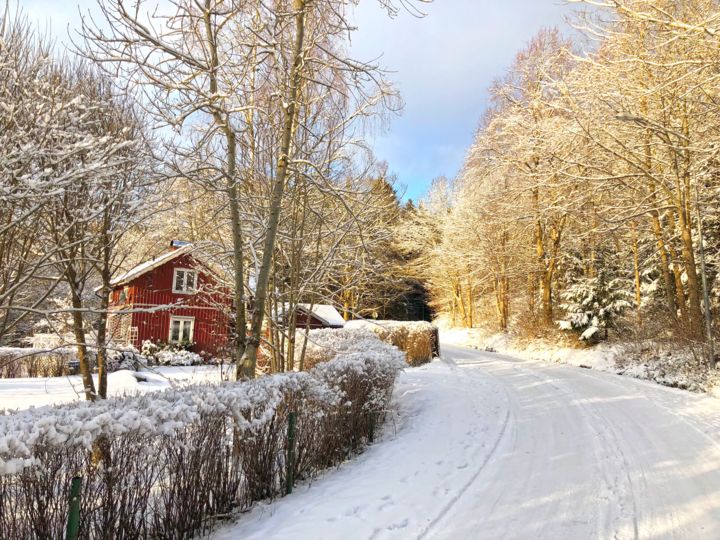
(486, 446)
(36, 392)
(669, 366)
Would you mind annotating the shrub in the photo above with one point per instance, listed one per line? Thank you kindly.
(161, 465)
(325, 344)
(178, 358)
(417, 339)
(169, 354)
(125, 357)
(25, 362)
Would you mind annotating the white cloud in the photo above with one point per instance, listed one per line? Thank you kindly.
(444, 64)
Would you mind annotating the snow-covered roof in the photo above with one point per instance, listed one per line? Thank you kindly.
(326, 313)
(147, 266)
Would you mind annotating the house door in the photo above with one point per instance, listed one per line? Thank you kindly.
(181, 329)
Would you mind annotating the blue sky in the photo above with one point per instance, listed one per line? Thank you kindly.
(443, 65)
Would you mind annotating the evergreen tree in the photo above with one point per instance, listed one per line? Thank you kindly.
(594, 303)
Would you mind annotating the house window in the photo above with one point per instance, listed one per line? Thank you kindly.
(132, 335)
(181, 329)
(184, 281)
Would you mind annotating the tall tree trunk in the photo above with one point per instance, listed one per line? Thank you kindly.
(547, 302)
(532, 292)
(238, 266)
(688, 248)
(471, 307)
(105, 275)
(693, 282)
(258, 315)
(636, 268)
(677, 276)
(223, 123)
(668, 281)
(79, 333)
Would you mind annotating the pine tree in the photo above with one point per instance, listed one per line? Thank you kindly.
(595, 303)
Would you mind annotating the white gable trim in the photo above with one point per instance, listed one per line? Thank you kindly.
(144, 268)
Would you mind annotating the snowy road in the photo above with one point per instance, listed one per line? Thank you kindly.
(490, 447)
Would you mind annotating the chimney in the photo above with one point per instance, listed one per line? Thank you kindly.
(177, 244)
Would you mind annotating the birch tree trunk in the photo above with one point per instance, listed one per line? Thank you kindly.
(249, 361)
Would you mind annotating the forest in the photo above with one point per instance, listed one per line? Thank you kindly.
(587, 207)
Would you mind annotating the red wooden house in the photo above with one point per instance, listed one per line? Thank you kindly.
(174, 299)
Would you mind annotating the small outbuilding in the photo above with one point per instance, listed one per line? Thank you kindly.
(315, 316)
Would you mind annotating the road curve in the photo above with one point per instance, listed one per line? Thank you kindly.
(590, 455)
(485, 446)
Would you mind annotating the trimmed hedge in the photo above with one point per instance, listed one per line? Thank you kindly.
(419, 340)
(162, 465)
(26, 362)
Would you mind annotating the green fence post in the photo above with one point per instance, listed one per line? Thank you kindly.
(292, 421)
(73, 521)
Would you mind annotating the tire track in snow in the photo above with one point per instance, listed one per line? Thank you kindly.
(610, 463)
(501, 435)
(625, 383)
(610, 444)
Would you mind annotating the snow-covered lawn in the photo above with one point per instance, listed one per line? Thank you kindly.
(485, 446)
(36, 392)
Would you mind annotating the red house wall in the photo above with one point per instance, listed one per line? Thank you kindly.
(153, 302)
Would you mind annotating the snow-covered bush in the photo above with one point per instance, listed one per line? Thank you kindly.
(26, 362)
(161, 464)
(593, 304)
(149, 349)
(169, 354)
(325, 344)
(417, 339)
(178, 358)
(125, 357)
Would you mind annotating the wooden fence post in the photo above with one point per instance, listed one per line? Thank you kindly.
(436, 343)
(373, 424)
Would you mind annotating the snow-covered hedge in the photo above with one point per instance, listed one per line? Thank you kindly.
(325, 344)
(162, 464)
(26, 362)
(419, 340)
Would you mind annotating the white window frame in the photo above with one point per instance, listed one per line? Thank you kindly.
(132, 335)
(195, 281)
(181, 319)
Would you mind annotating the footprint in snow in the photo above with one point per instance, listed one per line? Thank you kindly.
(354, 510)
(401, 525)
(385, 505)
